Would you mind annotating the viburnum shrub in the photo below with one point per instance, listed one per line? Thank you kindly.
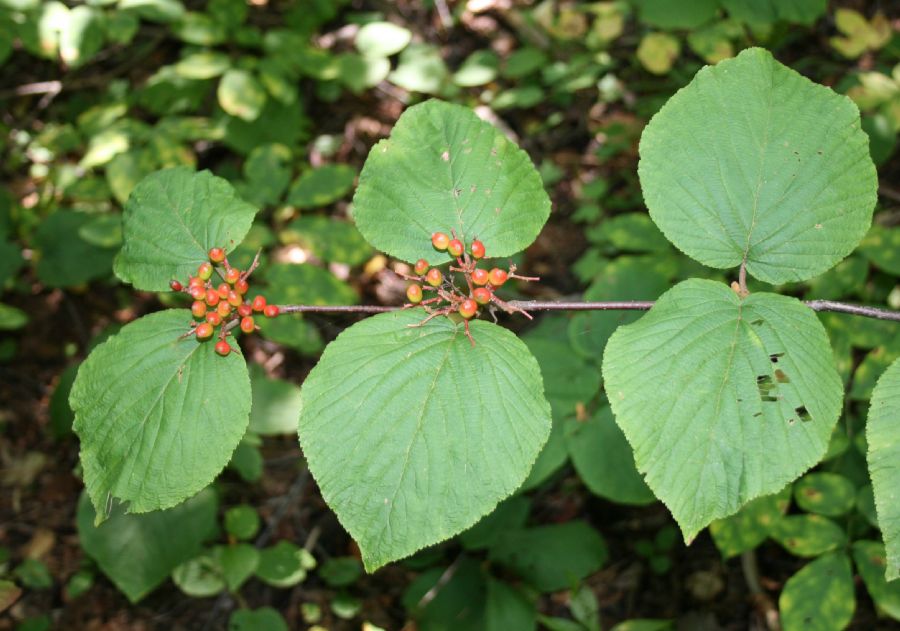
(412, 431)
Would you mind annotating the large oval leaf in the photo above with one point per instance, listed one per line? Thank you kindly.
(883, 439)
(444, 168)
(413, 435)
(722, 399)
(752, 160)
(158, 417)
(819, 596)
(172, 219)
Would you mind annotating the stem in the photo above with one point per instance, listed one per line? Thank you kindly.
(537, 305)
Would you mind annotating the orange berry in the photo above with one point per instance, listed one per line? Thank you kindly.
(244, 310)
(214, 318)
(232, 275)
(223, 348)
(259, 303)
(204, 331)
(482, 295)
(455, 247)
(271, 311)
(477, 249)
(497, 277)
(241, 286)
(414, 294)
(212, 297)
(468, 308)
(217, 255)
(198, 308)
(247, 325)
(480, 276)
(440, 240)
(434, 277)
(421, 266)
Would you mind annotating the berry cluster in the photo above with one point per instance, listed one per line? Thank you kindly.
(449, 299)
(222, 308)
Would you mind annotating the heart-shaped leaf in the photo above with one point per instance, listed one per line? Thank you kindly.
(413, 434)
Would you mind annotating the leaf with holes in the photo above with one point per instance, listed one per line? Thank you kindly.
(723, 399)
(443, 169)
(413, 434)
(752, 160)
(882, 432)
(158, 416)
(172, 219)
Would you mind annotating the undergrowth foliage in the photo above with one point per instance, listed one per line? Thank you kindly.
(414, 429)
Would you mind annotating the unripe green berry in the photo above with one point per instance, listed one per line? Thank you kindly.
(271, 311)
(259, 303)
(247, 325)
(205, 270)
(198, 308)
(204, 331)
(440, 241)
(497, 277)
(421, 266)
(434, 277)
(455, 247)
(223, 348)
(480, 276)
(477, 249)
(468, 308)
(414, 294)
(217, 255)
(232, 275)
(482, 295)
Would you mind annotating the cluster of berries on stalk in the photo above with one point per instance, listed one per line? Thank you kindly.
(450, 299)
(219, 309)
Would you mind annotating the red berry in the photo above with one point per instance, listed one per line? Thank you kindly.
(482, 295)
(259, 303)
(198, 309)
(234, 299)
(440, 241)
(223, 290)
(414, 294)
(197, 292)
(205, 270)
(223, 348)
(241, 286)
(497, 277)
(175, 285)
(244, 310)
(247, 325)
(480, 276)
(434, 277)
(212, 297)
(455, 247)
(196, 281)
(214, 318)
(217, 255)
(421, 266)
(232, 275)
(271, 311)
(204, 331)
(468, 308)
(477, 249)
(223, 309)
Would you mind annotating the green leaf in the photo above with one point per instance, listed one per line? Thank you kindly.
(397, 421)
(631, 232)
(552, 557)
(626, 278)
(421, 69)
(284, 564)
(268, 172)
(322, 186)
(241, 94)
(242, 522)
(382, 39)
(750, 526)
(329, 239)
(825, 493)
(12, 318)
(509, 515)
(158, 416)
(67, 259)
(740, 164)
(669, 15)
(871, 563)
(206, 64)
(262, 619)
(103, 231)
(200, 576)
(479, 68)
(276, 404)
(137, 552)
(341, 571)
(819, 596)
(883, 454)
(11, 261)
(604, 460)
(723, 399)
(658, 51)
(172, 219)
(759, 12)
(445, 169)
(238, 563)
(551, 459)
(808, 535)
(882, 247)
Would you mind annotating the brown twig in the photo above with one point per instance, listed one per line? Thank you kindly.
(634, 305)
